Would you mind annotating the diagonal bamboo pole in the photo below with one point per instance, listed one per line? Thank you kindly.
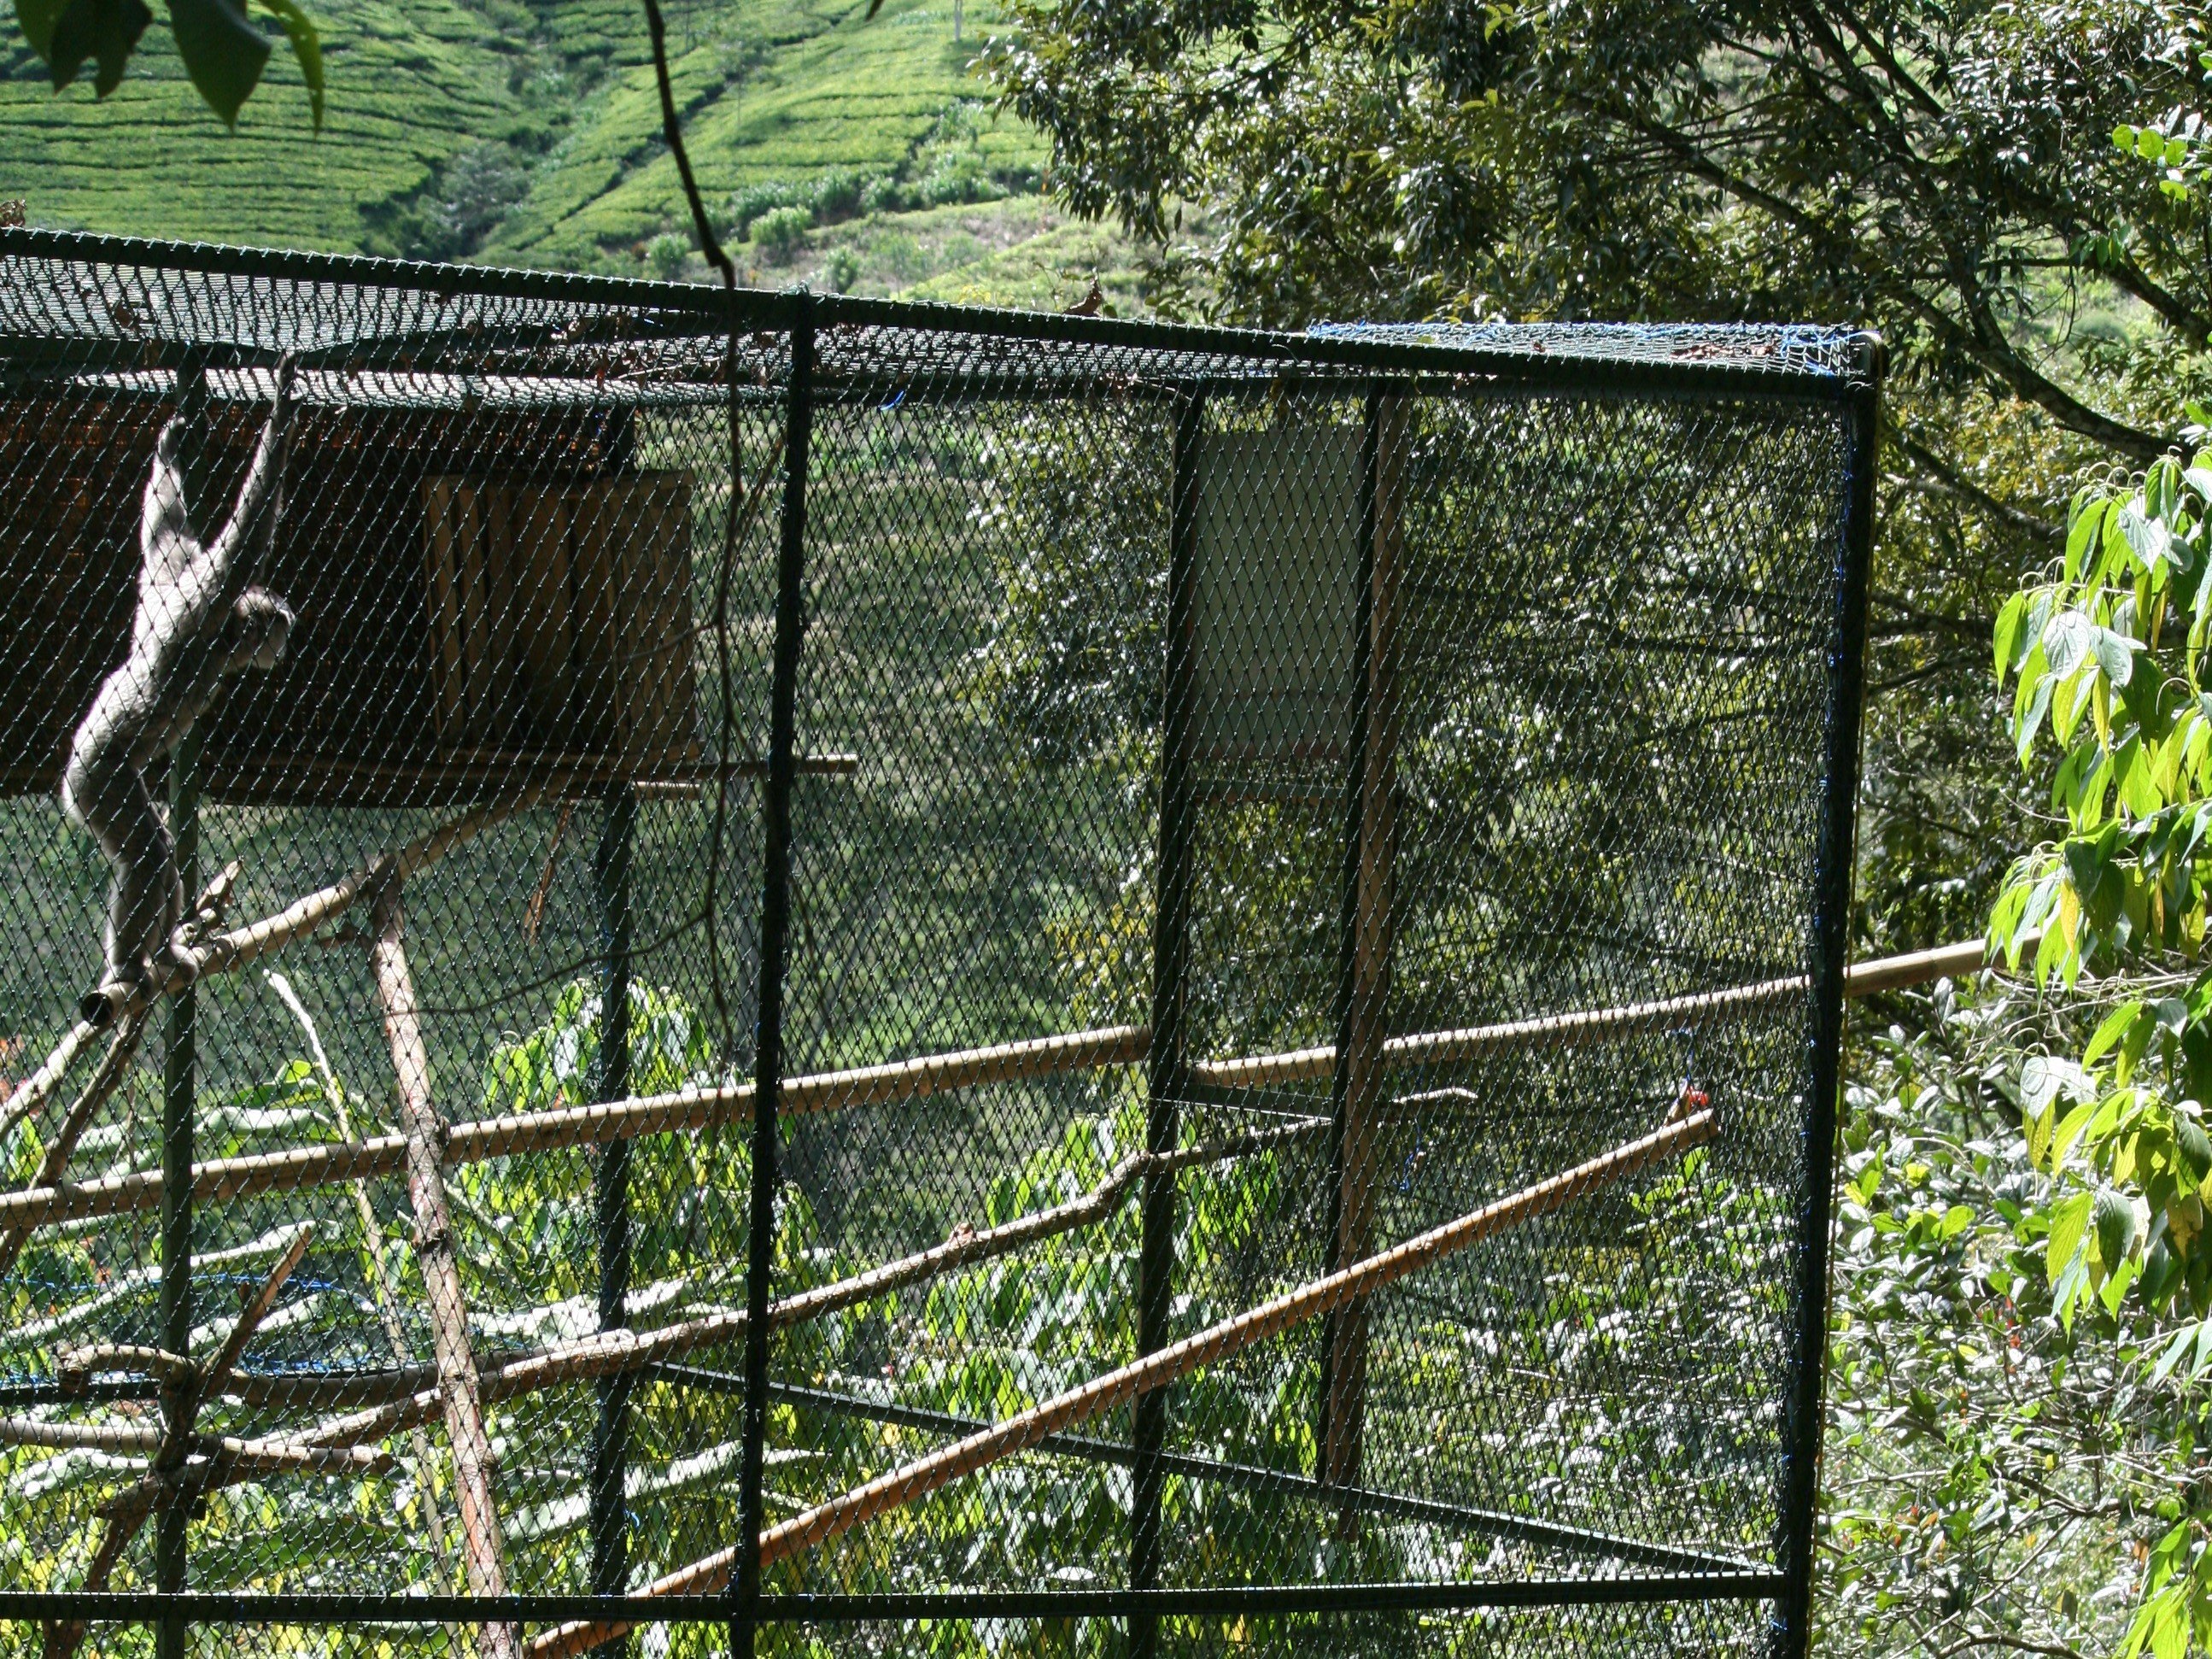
(103, 1082)
(1019, 1433)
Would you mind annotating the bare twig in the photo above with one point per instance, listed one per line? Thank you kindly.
(105, 1081)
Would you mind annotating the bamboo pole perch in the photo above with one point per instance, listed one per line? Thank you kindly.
(688, 1109)
(457, 1385)
(691, 1110)
(1019, 1433)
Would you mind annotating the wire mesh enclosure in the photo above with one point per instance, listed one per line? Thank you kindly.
(689, 972)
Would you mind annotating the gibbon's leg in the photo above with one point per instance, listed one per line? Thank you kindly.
(105, 793)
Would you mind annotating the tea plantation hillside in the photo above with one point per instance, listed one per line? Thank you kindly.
(529, 133)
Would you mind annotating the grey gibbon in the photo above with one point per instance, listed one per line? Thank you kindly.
(200, 617)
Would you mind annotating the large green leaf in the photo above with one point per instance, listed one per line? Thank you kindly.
(105, 31)
(307, 46)
(223, 52)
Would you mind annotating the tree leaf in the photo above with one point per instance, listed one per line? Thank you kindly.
(37, 19)
(2070, 1225)
(224, 54)
(307, 46)
(2117, 1228)
(105, 31)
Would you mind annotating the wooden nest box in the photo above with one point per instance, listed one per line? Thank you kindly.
(490, 589)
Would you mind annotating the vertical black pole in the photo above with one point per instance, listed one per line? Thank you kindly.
(1357, 737)
(179, 1077)
(179, 1080)
(775, 932)
(1831, 931)
(610, 1193)
(1165, 1073)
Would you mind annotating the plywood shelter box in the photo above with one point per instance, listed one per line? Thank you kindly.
(487, 582)
(994, 968)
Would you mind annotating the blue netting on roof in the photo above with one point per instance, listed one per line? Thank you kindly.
(1746, 345)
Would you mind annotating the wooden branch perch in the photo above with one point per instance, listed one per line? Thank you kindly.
(1017, 1434)
(614, 1352)
(132, 1508)
(228, 952)
(105, 1081)
(434, 1257)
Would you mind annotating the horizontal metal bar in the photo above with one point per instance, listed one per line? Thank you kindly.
(325, 1608)
(760, 308)
(1490, 1522)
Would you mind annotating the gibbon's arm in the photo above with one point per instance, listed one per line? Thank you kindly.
(236, 554)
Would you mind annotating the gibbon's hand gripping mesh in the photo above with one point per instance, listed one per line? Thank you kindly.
(1017, 985)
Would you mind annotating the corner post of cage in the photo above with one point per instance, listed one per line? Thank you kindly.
(611, 891)
(1166, 1070)
(1363, 945)
(775, 945)
(180, 1086)
(1832, 875)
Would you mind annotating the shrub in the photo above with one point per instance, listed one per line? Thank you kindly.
(886, 194)
(959, 175)
(781, 230)
(665, 256)
(838, 194)
(842, 271)
(749, 203)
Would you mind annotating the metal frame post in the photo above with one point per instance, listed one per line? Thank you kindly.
(179, 1087)
(774, 943)
(1831, 938)
(610, 889)
(1363, 965)
(1166, 1080)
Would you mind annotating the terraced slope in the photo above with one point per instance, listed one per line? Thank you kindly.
(497, 129)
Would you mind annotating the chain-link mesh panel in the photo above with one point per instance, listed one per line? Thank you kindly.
(1270, 901)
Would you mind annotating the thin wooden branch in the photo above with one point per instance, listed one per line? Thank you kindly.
(108, 1437)
(435, 1256)
(75, 1368)
(74, 1123)
(228, 952)
(1019, 1433)
(619, 1351)
(130, 1511)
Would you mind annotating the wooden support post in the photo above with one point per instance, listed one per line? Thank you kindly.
(473, 1474)
(1361, 1087)
(179, 1080)
(1167, 1078)
(609, 1510)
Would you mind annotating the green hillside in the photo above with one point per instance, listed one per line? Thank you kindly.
(530, 134)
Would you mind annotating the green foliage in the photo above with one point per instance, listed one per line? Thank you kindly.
(782, 231)
(1993, 1473)
(222, 51)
